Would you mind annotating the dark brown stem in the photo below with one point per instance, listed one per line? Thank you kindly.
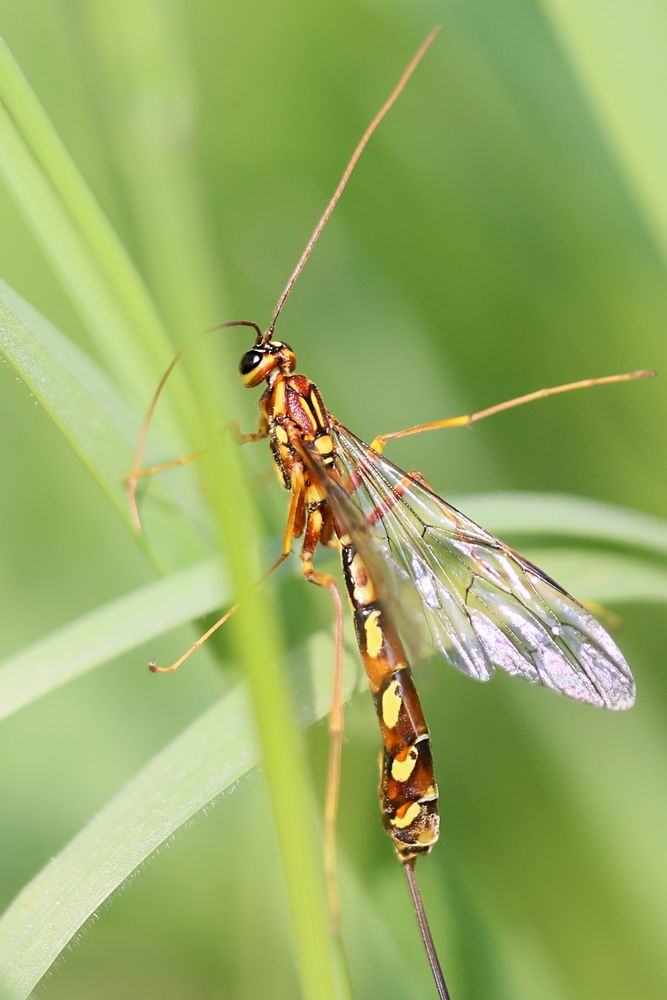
(418, 903)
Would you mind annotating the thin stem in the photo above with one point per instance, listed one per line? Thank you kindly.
(432, 954)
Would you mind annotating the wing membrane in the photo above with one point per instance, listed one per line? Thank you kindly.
(464, 593)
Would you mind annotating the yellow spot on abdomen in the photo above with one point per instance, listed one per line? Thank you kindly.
(374, 636)
(406, 815)
(391, 704)
(364, 591)
(404, 764)
(429, 835)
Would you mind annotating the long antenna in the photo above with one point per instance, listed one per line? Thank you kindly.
(407, 73)
(133, 477)
(418, 903)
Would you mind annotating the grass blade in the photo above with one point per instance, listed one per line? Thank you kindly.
(81, 400)
(72, 260)
(204, 761)
(563, 516)
(112, 258)
(92, 414)
(108, 631)
(618, 53)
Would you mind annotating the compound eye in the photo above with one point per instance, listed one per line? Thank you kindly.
(249, 361)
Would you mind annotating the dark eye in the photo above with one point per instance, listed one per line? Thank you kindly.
(249, 361)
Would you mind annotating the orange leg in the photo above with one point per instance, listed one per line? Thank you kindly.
(152, 470)
(380, 442)
(313, 534)
(137, 473)
(295, 506)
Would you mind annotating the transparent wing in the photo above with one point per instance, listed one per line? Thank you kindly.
(463, 592)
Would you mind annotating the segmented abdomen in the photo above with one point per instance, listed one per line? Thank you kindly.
(408, 792)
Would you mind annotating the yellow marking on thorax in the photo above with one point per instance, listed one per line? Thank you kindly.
(314, 402)
(391, 704)
(404, 764)
(406, 815)
(374, 636)
(281, 434)
(308, 413)
(279, 397)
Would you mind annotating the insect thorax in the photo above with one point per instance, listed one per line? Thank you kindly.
(294, 410)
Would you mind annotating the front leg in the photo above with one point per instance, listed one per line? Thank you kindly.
(241, 438)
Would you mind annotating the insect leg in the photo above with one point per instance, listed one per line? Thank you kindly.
(152, 470)
(295, 506)
(242, 438)
(312, 537)
(380, 442)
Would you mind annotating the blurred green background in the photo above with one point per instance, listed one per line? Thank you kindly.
(499, 235)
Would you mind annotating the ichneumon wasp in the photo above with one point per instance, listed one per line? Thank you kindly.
(418, 573)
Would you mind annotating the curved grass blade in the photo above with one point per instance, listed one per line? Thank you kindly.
(146, 613)
(618, 53)
(607, 577)
(564, 516)
(200, 764)
(207, 758)
(100, 636)
(80, 399)
(90, 412)
(72, 260)
(196, 767)
(84, 249)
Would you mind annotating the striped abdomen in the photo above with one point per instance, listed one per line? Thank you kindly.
(408, 792)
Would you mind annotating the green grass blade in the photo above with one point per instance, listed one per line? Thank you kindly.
(93, 416)
(618, 53)
(72, 261)
(607, 577)
(51, 153)
(146, 613)
(204, 761)
(564, 516)
(108, 631)
(149, 56)
(80, 399)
